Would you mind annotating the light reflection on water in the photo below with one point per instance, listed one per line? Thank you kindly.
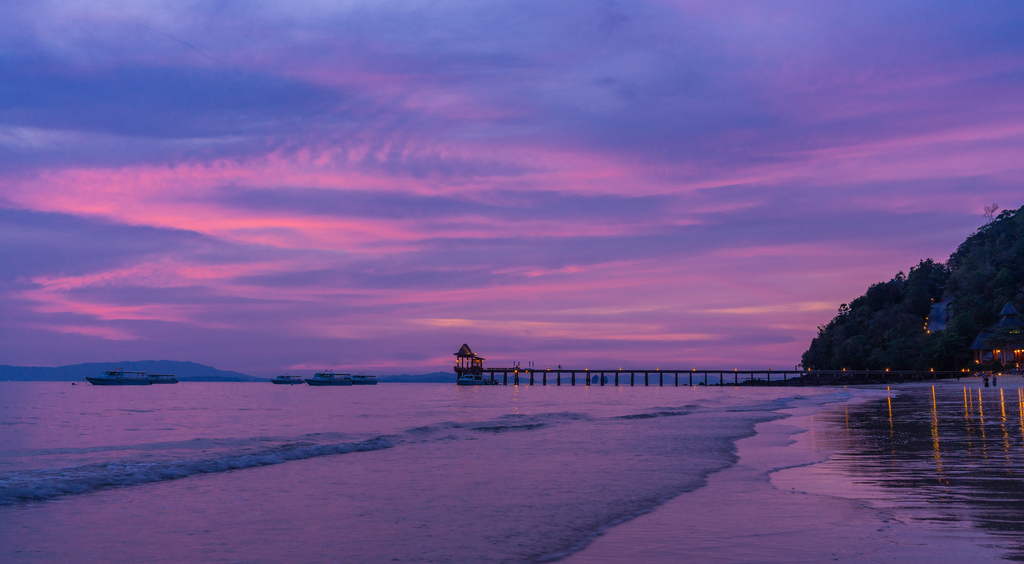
(944, 453)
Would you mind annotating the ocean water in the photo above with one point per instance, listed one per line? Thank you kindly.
(206, 472)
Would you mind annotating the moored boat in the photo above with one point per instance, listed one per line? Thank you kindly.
(288, 380)
(329, 379)
(120, 378)
(163, 379)
(470, 381)
(364, 380)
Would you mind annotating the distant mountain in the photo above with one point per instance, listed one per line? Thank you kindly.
(445, 377)
(184, 371)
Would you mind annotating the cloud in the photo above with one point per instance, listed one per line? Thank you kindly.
(264, 186)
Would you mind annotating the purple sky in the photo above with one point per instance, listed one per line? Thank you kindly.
(365, 186)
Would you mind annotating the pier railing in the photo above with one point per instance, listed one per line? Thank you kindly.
(704, 377)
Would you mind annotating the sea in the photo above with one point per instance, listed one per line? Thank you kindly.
(253, 472)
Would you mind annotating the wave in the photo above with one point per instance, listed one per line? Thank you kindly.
(654, 414)
(521, 422)
(237, 454)
(41, 485)
(503, 428)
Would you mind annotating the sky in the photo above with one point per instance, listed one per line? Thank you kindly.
(293, 186)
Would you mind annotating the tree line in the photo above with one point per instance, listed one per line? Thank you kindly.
(886, 327)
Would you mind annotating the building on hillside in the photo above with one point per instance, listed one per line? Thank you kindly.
(1003, 342)
(940, 315)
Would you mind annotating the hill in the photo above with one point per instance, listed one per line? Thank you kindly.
(887, 327)
(184, 371)
(445, 377)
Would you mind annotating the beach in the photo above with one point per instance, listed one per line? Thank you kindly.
(787, 499)
(256, 473)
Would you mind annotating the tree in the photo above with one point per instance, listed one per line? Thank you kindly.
(885, 327)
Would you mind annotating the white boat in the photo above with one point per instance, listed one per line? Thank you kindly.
(364, 380)
(163, 379)
(329, 379)
(120, 378)
(477, 380)
(288, 380)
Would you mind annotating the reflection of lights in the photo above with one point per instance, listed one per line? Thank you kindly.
(1006, 434)
(935, 434)
(981, 417)
(1020, 408)
(892, 442)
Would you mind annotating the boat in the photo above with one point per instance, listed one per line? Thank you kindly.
(288, 380)
(163, 379)
(477, 380)
(329, 379)
(364, 380)
(120, 378)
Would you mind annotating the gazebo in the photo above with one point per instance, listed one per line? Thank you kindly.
(1003, 342)
(468, 363)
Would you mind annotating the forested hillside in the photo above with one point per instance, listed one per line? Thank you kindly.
(885, 328)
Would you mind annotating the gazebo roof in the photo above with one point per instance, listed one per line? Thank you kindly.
(466, 352)
(982, 342)
(1009, 318)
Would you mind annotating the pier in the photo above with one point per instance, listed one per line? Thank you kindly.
(470, 370)
(518, 375)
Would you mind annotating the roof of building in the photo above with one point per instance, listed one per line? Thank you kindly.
(981, 342)
(1009, 318)
(466, 352)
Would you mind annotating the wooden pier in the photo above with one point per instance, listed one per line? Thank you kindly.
(704, 377)
(470, 371)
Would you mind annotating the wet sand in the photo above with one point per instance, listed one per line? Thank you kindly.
(795, 496)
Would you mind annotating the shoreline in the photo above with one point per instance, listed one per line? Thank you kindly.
(755, 511)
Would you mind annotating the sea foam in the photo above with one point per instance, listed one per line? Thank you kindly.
(39, 485)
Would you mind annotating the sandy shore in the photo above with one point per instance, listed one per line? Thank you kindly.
(759, 510)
